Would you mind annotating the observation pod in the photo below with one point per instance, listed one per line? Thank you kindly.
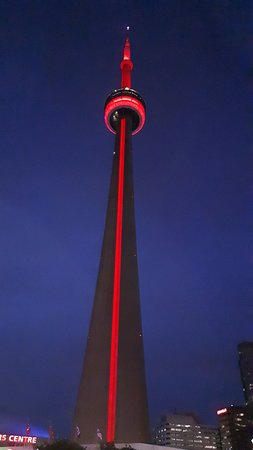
(121, 102)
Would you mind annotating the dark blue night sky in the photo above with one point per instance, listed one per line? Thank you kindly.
(193, 185)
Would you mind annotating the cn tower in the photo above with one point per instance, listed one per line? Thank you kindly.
(112, 394)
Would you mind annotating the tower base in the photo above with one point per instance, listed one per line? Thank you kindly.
(132, 446)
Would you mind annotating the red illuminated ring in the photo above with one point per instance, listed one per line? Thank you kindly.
(124, 102)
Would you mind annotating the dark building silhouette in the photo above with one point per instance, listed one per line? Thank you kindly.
(235, 428)
(112, 395)
(245, 350)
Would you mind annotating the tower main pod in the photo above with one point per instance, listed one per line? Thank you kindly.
(112, 394)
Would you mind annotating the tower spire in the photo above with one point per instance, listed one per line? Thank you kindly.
(112, 393)
(126, 64)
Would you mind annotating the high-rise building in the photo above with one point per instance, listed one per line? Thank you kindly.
(245, 350)
(112, 396)
(185, 431)
(235, 428)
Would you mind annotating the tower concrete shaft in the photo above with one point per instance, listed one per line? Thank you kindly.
(112, 394)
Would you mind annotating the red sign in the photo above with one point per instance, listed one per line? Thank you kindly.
(13, 438)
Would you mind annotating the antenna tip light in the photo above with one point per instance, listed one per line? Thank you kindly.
(128, 28)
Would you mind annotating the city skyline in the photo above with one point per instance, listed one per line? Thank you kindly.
(192, 165)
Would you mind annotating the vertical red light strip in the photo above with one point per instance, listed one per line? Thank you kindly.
(126, 66)
(112, 394)
(126, 76)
